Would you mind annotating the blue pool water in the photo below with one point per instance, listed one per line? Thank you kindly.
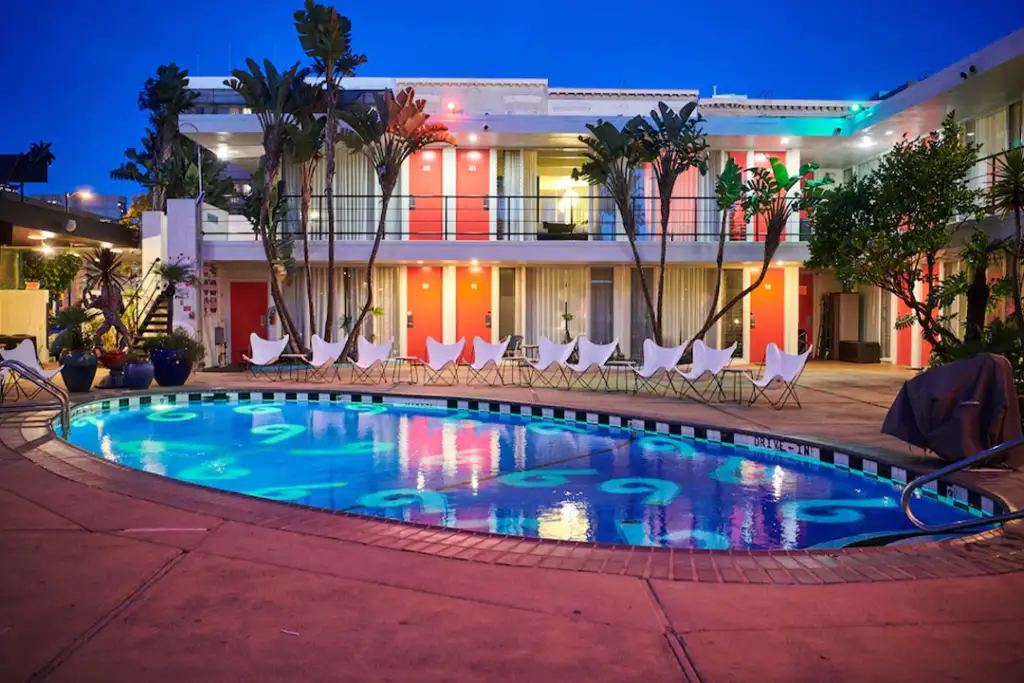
(504, 473)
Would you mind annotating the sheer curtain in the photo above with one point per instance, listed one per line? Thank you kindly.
(548, 291)
(687, 300)
(385, 282)
(512, 180)
(527, 230)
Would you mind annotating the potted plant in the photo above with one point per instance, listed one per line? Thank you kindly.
(77, 358)
(173, 356)
(138, 370)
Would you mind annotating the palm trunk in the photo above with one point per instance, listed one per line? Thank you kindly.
(718, 281)
(1018, 314)
(358, 324)
(307, 195)
(332, 101)
(666, 212)
(275, 286)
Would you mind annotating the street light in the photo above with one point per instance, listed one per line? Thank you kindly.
(84, 194)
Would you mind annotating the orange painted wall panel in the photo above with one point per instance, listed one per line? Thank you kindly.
(472, 185)
(472, 306)
(767, 305)
(426, 214)
(424, 296)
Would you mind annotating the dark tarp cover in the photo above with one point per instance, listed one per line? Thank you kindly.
(959, 410)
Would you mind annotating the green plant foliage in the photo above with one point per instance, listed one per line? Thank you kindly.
(888, 228)
(76, 335)
(1000, 337)
(53, 273)
(177, 340)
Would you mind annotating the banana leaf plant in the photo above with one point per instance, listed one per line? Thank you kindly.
(387, 134)
(271, 95)
(1007, 195)
(673, 143)
(325, 36)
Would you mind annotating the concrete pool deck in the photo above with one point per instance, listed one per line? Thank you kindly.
(107, 575)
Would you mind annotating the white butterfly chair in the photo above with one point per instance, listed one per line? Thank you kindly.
(442, 364)
(551, 359)
(706, 361)
(265, 352)
(487, 356)
(25, 353)
(325, 355)
(781, 368)
(591, 355)
(658, 360)
(370, 367)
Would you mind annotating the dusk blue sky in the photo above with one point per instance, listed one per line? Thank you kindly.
(72, 70)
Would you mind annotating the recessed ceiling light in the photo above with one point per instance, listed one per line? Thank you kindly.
(473, 137)
(784, 141)
(760, 157)
(47, 249)
(106, 245)
(474, 262)
(888, 132)
(420, 262)
(38, 237)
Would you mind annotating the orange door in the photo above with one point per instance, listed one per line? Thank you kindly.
(767, 314)
(473, 306)
(423, 317)
(472, 185)
(248, 315)
(426, 205)
(806, 322)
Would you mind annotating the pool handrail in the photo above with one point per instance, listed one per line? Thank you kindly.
(61, 396)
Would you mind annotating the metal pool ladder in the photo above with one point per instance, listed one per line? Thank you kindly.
(908, 492)
(61, 401)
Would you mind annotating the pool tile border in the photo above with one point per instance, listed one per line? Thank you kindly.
(970, 499)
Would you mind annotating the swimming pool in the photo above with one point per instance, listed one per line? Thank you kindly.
(600, 478)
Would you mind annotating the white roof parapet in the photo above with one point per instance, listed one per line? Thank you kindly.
(743, 104)
(620, 93)
(475, 82)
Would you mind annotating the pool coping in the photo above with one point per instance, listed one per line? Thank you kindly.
(986, 552)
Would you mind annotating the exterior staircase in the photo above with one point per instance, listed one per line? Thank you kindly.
(158, 320)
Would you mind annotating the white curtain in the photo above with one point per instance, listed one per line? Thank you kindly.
(528, 215)
(512, 178)
(687, 300)
(356, 205)
(548, 291)
(385, 282)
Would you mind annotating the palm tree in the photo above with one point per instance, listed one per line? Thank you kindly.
(326, 38)
(387, 134)
(728, 191)
(306, 141)
(165, 97)
(673, 143)
(613, 157)
(766, 195)
(1008, 197)
(270, 94)
(41, 151)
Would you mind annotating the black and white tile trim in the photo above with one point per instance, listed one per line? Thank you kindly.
(969, 499)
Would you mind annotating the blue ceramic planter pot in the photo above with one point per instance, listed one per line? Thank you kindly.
(171, 367)
(138, 375)
(78, 370)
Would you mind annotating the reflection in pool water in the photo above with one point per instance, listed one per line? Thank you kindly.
(504, 473)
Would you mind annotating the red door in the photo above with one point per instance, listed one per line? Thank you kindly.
(423, 318)
(426, 206)
(248, 315)
(472, 185)
(767, 314)
(473, 306)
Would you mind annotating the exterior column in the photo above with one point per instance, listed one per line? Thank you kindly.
(793, 224)
(448, 192)
(495, 304)
(745, 303)
(621, 283)
(492, 205)
(182, 247)
(915, 332)
(791, 310)
(448, 304)
(402, 202)
(521, 303)
(403, 305)
(750, 224)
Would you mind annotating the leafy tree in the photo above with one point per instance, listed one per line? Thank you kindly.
(306, 143)
(53, 273)
(766, 194)
(982, 293)
(888, 228)
(271, 95)
(672, 143)
(613, 157)
(133, 216)
(387, 134)
(1007, 196)
(166, 163)
(326, 38)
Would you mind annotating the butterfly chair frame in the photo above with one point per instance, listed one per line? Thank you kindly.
(375, 371)
(665, 358)
(492, 355)
(556, 356)
(760, 387)
(442, 364)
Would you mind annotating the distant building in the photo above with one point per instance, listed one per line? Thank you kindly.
(110, 206)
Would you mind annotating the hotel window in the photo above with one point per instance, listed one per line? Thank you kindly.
(602, 305)
(1013, 125)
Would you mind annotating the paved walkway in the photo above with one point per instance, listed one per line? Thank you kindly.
(99, 583)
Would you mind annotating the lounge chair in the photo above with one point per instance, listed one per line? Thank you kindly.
(551, 359)
(325, 355)
(487, 356)
(265, 352)
(706, 361)
(591, 355)
(369, 367)
(442, 363)
(25, 353)
(657, 360)
(783, 368)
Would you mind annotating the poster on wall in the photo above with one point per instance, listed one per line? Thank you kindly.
(209, 288)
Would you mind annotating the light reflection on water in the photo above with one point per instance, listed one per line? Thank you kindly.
(503, 473)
